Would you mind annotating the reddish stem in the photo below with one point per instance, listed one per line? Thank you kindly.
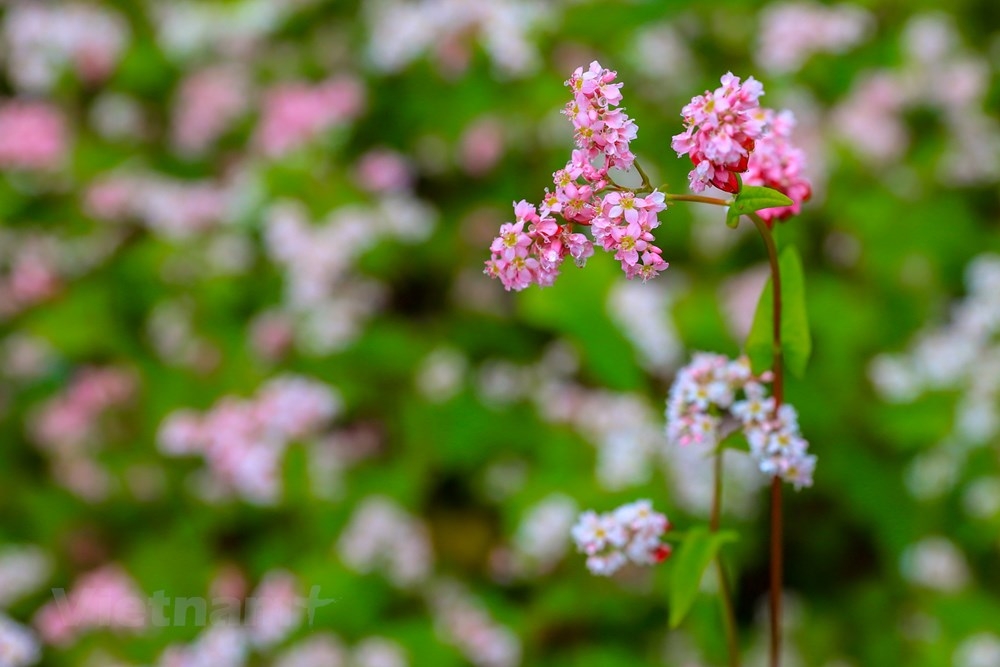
(779, 396)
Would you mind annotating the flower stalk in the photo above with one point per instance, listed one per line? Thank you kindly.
(778, 389)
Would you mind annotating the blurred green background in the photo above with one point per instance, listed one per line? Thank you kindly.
(200, 197)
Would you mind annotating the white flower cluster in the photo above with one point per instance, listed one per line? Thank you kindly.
(714, 396)
(381, 536)
(630, 533)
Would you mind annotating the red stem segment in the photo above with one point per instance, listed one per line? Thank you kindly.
(779, 391)
(728, 613)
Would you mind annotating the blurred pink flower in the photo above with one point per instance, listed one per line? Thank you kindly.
(294, 114)
(481, 146)
(32, 136)
(103, 598)
(383, 170)
(207, 103)
(777, 163)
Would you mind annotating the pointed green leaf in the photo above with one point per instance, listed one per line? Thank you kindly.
(732, 217)
(796, 343)
(754, 198)
(694, 554)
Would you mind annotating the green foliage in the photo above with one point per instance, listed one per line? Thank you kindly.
(697, 550)
(752, 198)
(796, 342)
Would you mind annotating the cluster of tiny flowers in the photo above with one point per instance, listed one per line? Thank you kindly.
(714, 396)
(532, 248)
(776, 163)
(601, 128)
(720, 131)
(630, 533)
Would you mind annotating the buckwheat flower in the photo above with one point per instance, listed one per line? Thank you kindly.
(721, 128)
(753, 409)
(630, 533)
(600, 128)
(776, 163)
(714, 396)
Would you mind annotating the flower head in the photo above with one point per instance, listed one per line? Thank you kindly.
(630, 533)
(720, 131)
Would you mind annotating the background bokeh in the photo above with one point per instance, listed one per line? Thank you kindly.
(247, 348)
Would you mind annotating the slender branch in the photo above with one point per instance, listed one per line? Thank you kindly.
(645, 178)
(726, 598)
(776, 515)
(698, 199)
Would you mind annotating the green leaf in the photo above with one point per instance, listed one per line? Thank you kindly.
(732, 217)
(753, 198)
(695, 553)
(796, 343)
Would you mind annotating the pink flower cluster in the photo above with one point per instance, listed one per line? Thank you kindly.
(624, 224)
(294, 114)
(721, 128)
(777, 163)
(207, 102)
(601, 128)
(104, 598)
(714, 396)
(532, 248)
(33, 136)
(67, 423)
(630, 533)
(33, 273)
(243, 441)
